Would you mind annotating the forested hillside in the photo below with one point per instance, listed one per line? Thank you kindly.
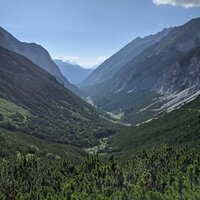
(178, 128)
(33, 102)
(160, 173)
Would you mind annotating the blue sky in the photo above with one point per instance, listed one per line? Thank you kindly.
(88, 31)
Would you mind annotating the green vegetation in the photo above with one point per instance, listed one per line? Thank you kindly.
(46, 133)
(12, 113)
(50, 170)
(12, 142)
(178, 128)
(160, 173)
(33, 102)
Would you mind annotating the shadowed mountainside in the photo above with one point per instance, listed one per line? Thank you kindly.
(33, 101)
(36, 54)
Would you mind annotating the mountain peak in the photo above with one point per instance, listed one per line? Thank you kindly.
(73, 72)
(193, 23)
(194, 20)
(113, 64)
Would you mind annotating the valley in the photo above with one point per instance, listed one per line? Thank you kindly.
(128, 129)
(159, 76)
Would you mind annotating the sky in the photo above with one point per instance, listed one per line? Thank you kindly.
(89, 31)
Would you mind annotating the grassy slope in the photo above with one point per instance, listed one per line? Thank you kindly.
(180, 127)
(12, 142)
(14, 117)
(12, 113)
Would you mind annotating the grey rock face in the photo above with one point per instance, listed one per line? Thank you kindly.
(112, 65)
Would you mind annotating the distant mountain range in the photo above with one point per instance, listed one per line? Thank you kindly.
(74, 73)
(36, 54)
(150, 75)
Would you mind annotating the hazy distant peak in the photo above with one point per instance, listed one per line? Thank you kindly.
(73, 72)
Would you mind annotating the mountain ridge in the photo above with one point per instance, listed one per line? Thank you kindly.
(113, 64)
(156, 77)
(37, 54)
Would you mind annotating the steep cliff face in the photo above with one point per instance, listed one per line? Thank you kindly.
(165, 74)
(36, 54)
(184, 74)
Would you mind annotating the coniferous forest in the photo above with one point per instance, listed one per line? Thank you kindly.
(160, 173)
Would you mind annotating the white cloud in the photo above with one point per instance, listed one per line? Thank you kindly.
(183, 3)
(84, 62)
(67, 58)
(101, 59)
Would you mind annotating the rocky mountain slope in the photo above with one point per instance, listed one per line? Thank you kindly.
(36, 54)
(113, 64)
(74, 73)
(162, 77)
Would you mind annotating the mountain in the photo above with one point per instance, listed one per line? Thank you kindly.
(74, 73)
(177, 129)
(113, 64)
(36, 111)
(46, 130)
(34, 103)
(161, 78)
(36, 54)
